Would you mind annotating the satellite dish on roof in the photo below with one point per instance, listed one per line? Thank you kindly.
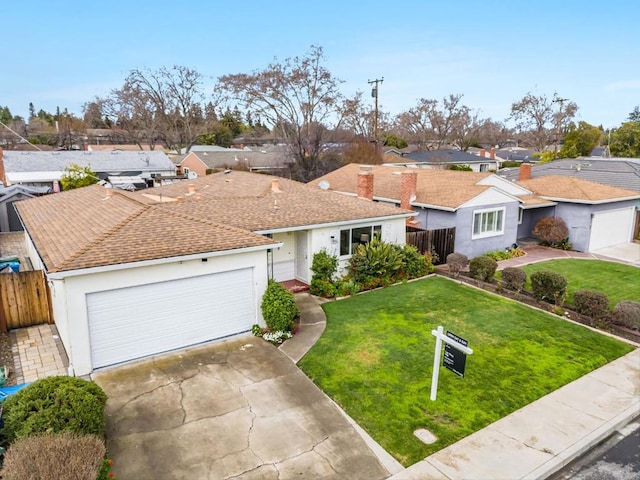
(192, 175)
(324, 185)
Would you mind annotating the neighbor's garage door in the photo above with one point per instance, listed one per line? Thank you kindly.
(134, 322)
(611, 228)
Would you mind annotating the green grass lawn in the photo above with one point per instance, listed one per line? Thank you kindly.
(375, 359)
(616, 280)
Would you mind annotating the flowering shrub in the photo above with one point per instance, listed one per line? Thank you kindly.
(506, 254)
(277, 337)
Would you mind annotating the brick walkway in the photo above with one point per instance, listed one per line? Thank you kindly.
(37, 353)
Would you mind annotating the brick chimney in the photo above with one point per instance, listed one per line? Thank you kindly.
(525, 171)
(408, 184)
(492, 153)
(482, 152)
(365, 183)
(3, 173)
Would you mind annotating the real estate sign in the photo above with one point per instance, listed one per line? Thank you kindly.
(454, 359)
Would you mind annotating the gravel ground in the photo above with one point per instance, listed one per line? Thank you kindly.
(6, 357)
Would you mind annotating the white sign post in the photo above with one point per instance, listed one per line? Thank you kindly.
(441, 337)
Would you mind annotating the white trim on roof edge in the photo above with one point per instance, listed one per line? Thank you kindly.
(158, 261)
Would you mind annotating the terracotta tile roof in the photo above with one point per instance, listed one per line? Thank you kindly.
(87, 228)
(575, 189)
(440, 188)
(84, 228)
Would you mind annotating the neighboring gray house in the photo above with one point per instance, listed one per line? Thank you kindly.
(489, 212)
(44, 169)
(443, 159)
(269, 158)
(616, 172)
(482, 207)
(9, 220)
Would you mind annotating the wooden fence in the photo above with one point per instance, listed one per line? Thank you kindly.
(25, 300)
(440, 241)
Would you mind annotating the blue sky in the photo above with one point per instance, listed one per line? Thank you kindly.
(66, 52)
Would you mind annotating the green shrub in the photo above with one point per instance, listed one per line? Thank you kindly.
(55, 405)
(376, 259)
(550, 286)
(414, 263)
(456, 262)
(591, 303)
(483, 268)
(563, 244)
(324, 266)
(322, 287)
(279, 307)
(627, 314)
(347, 287)
(514, 278)
(63, 456)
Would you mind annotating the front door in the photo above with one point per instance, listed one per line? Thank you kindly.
(302, 256)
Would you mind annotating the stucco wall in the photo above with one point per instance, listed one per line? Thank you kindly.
(472, 247)
(69, 294)
(530, 218)
(393, 231)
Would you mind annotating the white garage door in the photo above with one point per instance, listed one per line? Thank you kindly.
(134, 322)
(611, 228)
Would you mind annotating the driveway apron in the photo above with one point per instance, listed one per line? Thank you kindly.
(233, 409)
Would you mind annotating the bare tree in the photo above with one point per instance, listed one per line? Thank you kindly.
(297, 97)
(493, 134)
(158, 105)
(538, 120)
(431, 125)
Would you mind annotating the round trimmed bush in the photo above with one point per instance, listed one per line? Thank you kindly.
(55, 405)
(627, 314)
(279, 307)
(514, 278)
(591, 303)
(456, 262)
(483, 268)
(549, 285)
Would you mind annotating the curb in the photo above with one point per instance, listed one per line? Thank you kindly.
(585, 444)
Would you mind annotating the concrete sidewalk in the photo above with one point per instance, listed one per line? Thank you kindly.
(531, 443)
(541, 438)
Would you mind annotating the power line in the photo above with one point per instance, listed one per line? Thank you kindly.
(21, 137)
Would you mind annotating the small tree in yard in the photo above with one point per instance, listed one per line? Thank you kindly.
(551, 230)
(76, 176)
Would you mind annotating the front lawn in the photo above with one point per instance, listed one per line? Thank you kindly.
(616, 280)
(375, 360)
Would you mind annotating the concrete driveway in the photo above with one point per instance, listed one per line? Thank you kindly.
(233, 409)
(624, 252)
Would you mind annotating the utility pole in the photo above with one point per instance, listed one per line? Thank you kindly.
(558, 120)
(374, 94)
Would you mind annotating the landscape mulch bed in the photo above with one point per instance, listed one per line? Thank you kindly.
(528, 299)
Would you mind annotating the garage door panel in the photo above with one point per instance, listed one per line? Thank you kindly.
(611, 227)
(147, 319)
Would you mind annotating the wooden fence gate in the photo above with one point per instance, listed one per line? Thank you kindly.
(25, 300)
(441, 242)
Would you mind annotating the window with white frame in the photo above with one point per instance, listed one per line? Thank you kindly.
(488, 223)
(520, 215)
(484, 167)
(350, 238)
